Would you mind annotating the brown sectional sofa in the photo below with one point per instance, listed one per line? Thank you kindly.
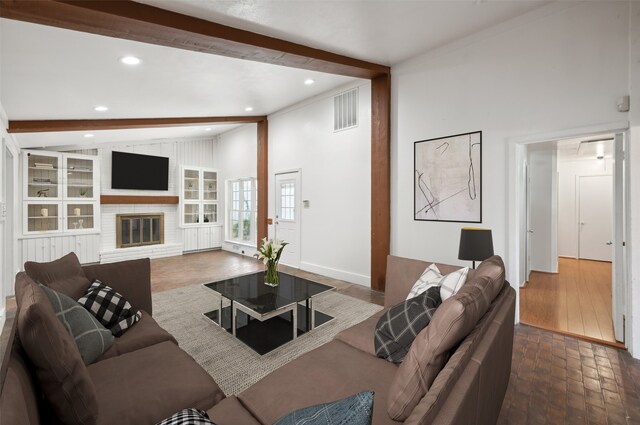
(143, 378)
(468, 390)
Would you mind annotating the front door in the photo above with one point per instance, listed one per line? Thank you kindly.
(287, 216)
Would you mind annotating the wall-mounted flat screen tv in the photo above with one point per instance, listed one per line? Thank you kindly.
(139, 172)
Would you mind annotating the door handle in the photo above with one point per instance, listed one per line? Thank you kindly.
(609, 243)
(529, 231)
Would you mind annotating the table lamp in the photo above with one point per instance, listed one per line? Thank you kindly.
(475, 244)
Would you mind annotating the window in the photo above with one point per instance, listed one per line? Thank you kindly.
(242, 210)
(287, 201)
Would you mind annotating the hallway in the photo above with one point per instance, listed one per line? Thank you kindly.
(576, 301)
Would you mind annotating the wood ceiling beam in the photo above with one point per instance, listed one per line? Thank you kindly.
(139, 22)
(47, 126)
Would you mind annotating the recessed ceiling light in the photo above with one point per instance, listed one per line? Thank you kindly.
(100, 108)
(248, 108)
(88, 136)
(309, 81)
(130, 60)
(207, 129)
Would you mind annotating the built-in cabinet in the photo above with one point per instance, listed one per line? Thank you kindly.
(199, 208)
(61, 211)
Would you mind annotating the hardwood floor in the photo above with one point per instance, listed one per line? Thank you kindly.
(203, 267)
(576, 301)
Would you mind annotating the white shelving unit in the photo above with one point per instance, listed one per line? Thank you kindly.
(61, 210)
(199, 208)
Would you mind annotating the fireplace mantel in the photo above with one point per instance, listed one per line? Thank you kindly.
(134, 199)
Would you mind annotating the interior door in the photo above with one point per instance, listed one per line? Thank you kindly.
(529, 231)
(618, 281)
(287, 222)
(595, 222)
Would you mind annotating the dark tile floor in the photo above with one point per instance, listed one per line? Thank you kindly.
(557, 379)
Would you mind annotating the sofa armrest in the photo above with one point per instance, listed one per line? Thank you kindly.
(131, 278)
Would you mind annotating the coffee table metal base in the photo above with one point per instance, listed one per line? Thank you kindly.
(266, 336)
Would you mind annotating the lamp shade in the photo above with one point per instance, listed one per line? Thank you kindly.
(475, 244)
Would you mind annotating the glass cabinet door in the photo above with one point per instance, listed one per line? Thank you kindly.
(42, 217)
(191, 213)
(210, 213)
(210, 185)
(79, 178)
(80, 216)
(42, 175)
(191, 184)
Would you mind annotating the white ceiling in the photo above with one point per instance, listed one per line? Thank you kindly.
(384, 32)
(51, 73)
(586, 147)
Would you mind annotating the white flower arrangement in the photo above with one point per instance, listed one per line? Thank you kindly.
(270, 251)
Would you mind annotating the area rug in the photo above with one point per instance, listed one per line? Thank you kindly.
(233, 365)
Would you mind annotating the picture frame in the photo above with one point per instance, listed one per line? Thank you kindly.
(447, 183)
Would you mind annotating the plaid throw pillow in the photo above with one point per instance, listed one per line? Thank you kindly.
(110, 308)
(402, 323)
(188, 417)
(354, 410)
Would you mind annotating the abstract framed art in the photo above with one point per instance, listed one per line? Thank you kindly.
(448, 178)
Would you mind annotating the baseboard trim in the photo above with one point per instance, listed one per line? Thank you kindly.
(351, 277)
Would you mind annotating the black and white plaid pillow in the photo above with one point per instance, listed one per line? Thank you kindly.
(188, 417)
(110, 308)
(399, 326)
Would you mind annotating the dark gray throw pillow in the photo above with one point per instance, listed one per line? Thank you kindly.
(400, 325)
(90, 336)
(354, 410)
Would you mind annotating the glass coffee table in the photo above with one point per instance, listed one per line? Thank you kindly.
(265, 317)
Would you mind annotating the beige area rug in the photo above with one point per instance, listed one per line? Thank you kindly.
(233, 365)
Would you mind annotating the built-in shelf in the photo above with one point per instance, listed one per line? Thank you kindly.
(133, 199)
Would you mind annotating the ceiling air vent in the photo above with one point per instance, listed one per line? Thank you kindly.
(345, 110)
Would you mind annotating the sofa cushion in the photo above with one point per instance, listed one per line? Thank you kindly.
(229, 411)
(90, 336)
(189, 416)
(148, 385)
(452, 321)
(328, 373)
(492, 269)
(402, 274)
(64, 275)
(401, 324)
(110, 308)
(62, 375)
(354, 410)
(449, 284)
(144, 334)
(361, 336)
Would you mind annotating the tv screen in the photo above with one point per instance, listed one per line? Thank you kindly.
(141, 172)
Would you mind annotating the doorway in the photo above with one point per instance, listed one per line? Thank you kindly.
(287, 215)
(574, 247)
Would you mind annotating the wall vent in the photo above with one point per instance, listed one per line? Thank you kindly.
(345, 110)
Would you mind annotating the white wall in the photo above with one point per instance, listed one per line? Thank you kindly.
(237, 151)
(633, 148)
(543, 209)
(558, 68)
(569, 169)
(181, 152)
(335, 178)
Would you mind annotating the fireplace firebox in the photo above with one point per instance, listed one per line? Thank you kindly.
(139, 229)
